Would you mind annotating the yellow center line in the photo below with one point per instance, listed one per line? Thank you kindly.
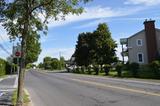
(114, 87)
(117, 87)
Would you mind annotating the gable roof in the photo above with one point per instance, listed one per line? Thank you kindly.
(136, 34)
(139, 33)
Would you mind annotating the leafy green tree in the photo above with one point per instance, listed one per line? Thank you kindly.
(47, 62)
(40, 65)
(33, 49)
(62, 62)
(22, 18)
(97, 48)
(104, 45)
(82, 50)
(55, 64)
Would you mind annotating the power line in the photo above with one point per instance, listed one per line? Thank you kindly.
(4, 49)
(4, 42)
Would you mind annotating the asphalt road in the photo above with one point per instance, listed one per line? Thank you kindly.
(65, 89)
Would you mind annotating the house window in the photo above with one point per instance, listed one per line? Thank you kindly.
(139, 42)
(140, 58)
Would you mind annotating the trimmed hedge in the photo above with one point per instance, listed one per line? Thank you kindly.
(5, 67)
(2, 67)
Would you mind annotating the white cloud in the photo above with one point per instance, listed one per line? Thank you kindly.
(91, 24)
(97, 12)
(144, 2)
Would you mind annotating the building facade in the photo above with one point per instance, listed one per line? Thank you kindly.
(144, 46)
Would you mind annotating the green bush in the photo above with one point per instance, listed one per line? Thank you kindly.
(155, 67)
(107, 68)
(2, 67)
(134, 69)
(5, 67)
(119, 69)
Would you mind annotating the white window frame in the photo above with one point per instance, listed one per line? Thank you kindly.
(138, 57)
(141, 42)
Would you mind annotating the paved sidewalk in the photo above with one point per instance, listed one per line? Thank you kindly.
(7, 86)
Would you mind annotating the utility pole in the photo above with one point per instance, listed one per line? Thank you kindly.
(123, 42)
(59, 54)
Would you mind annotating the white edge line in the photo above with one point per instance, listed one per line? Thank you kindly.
(16, 82)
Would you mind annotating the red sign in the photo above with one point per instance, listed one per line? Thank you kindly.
(18, 54)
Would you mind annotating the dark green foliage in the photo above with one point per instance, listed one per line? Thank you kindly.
(83, 47)
(96, 68)
(62, 62)
(155, 67)
(2, 67)
(40, 65)
(33, 48)
(50, 63)
(107, 69)
(104, 46)
(134, 68)
(55, 64)
(47, 63)
(119, 67)
(5, 67)
(96, 48)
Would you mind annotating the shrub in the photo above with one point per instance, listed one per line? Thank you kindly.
(119, 69)
(134, 69)
(126, 66)
(2, 67)
(5, 67)
(107, 69)
(155, 66)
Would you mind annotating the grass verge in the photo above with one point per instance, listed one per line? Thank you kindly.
(26, 98)
(3, 76)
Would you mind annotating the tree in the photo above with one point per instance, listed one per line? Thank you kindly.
(33, 49)
(47, 62)
(104, 46)
(21, 18)
(96, 48)
(62, 62)
(55, 64)
(82, 50)
(40, 65)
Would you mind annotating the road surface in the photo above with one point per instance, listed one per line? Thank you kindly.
(7, 86)
(65, 89)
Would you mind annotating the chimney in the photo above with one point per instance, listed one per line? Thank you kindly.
(151, 41)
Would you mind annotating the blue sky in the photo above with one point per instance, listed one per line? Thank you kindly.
(124, 18)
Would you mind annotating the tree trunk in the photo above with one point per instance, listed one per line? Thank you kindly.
(22, 61)
(101, 67)
(21, 75)
(97, 70)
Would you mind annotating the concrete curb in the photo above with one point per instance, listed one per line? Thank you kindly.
(16, 82)
(4, 78)
(29, 103)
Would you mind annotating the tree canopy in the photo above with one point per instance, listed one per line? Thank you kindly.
(96, 48)
(50, 63)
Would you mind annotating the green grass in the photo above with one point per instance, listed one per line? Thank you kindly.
(3, 76)
(143, 73)
(25, 98)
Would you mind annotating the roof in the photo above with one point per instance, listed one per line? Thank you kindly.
(140, 32)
